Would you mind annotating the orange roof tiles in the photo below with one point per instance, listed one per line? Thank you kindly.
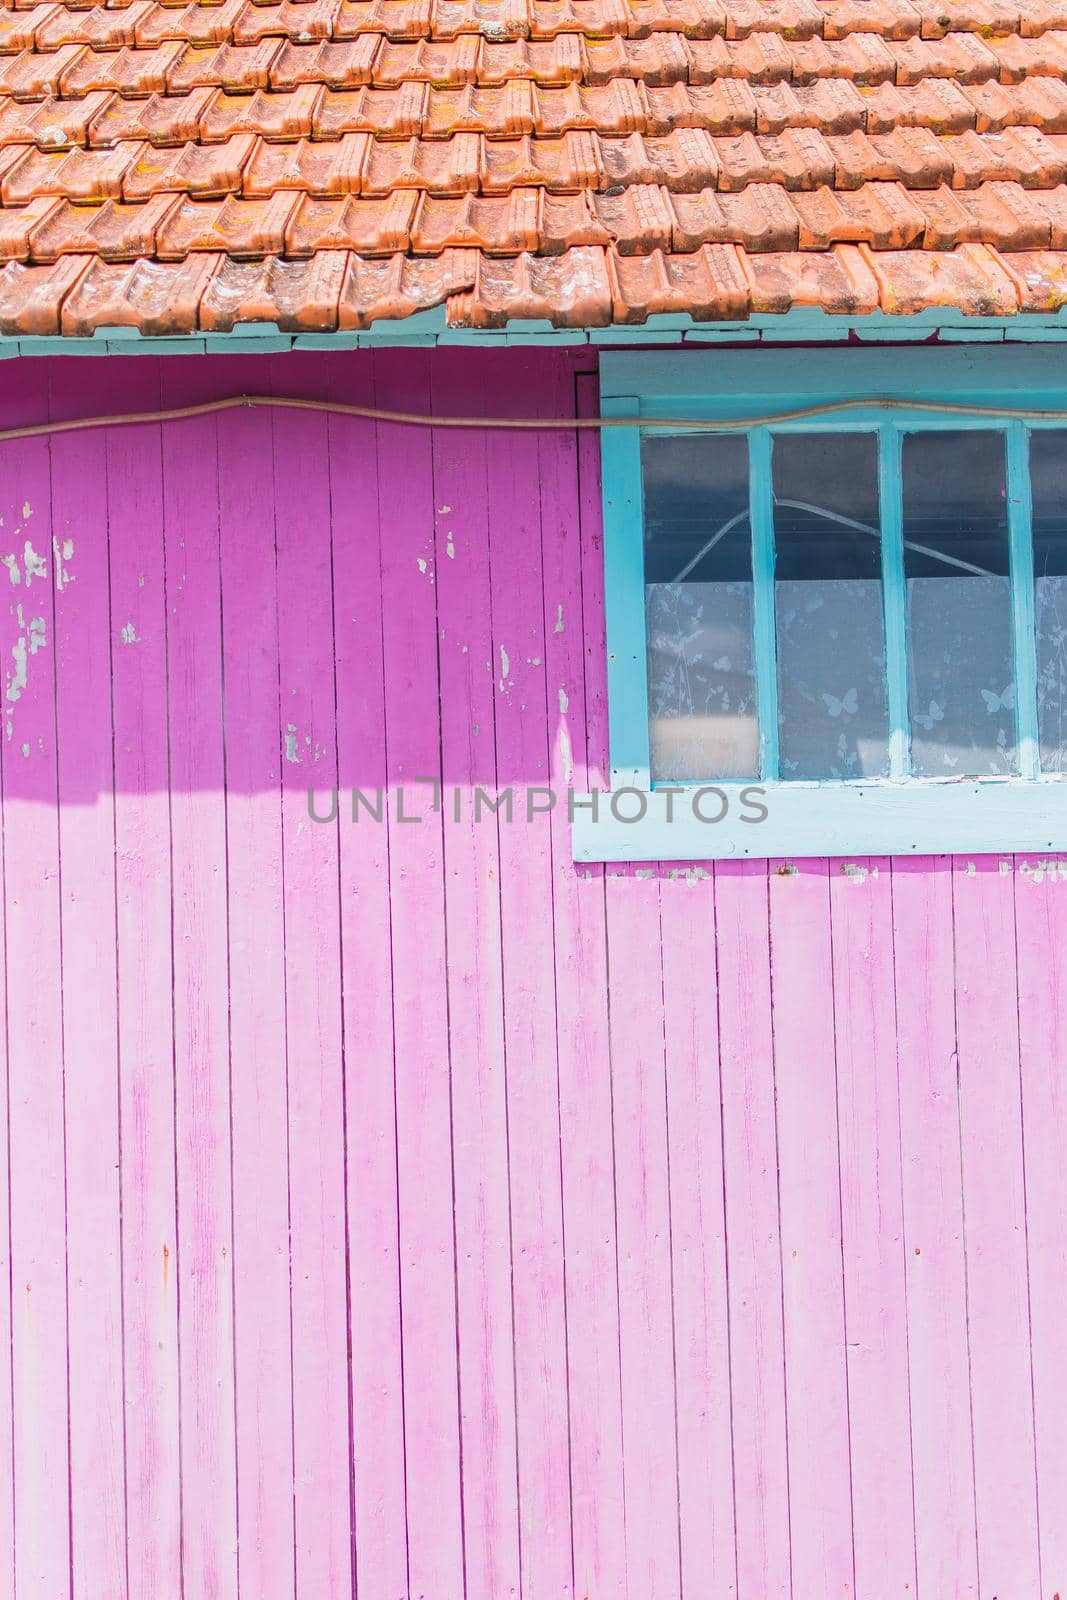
(319, 164)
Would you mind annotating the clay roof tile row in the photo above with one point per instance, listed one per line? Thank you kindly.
(322, 163)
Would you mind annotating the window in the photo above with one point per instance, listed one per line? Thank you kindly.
(853, 620)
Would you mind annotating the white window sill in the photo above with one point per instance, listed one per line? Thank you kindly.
(961, 816)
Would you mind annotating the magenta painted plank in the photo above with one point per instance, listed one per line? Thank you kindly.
(572, 561)
(461, 569)
(943, 1466)
(753, 1245)
(262, 1345)
(995, 1223)
(201, 1000)
(810, 1200)
(638, 1068)
(520, 689)
(307, 736)
(377, 1370)
(85, 641)
(145, 1045)
(872, 1224)
(34, 988)
(698, 1233)
(7, 1459)
(424, 1141)
(1041, 931)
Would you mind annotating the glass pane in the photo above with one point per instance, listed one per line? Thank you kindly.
(698, 598)
(833, 721)
(961, 671)
(1048, 478)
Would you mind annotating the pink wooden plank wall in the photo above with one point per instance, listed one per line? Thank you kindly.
(395, 1209)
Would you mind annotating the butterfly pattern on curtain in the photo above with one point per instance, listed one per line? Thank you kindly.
(833, 721)
(961, 677)
(701, 681)
(1051, 608)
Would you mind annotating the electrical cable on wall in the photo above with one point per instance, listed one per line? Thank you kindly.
(417, 419)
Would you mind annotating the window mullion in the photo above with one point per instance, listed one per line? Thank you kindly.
(1021, 546)
(624, 585)
(895, 594)
(761, 510)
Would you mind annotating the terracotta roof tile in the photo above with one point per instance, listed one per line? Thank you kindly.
(761, 217)
(572, 289)
(837, 280)
(102, 27)
(501, 225)
(31, 298)
(18, 28)
(557, 165)
(1019, 57)
(204, 171)
(340, 64)
(127, 72)
(113, 230)
(312, 168)
(638, 221)
(878, 214)
(378, 227)
(568, 220)
(710, 285)
(684, 159)
(151, 296)
(51, 123)
(574, 159)
(75, 174)
(227, 66)
(975, 16)
(239, 228)
(17, 224)
(422, 62)
(970, 277)
(32, 76)
(303, 21)
(891, 19)
(400, 285)
(451, 166)
(1040, 279)
(933, 103)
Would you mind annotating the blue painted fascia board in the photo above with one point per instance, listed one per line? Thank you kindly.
(430, 327)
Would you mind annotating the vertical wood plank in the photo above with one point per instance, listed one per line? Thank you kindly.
(78, 572)
(7, 1450)
(307, 733)
(753, 1245)
(35, 1035)
(1041, 931)
(809, 1188)
(359, 533)
(573, 563)
(698, 1233)
(461, 567)
(201, 1000)
(872, 1226)
(259, 1126)
(424, 1141)
(644, 1223)
(995, 1222)
(517, 666)
(943, 1466)
(145, 1019)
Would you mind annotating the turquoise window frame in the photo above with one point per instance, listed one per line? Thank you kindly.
(642, 820)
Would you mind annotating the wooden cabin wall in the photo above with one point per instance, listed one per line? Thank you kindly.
(396, 1210)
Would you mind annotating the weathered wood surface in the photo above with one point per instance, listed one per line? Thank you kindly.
(396, 1208)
